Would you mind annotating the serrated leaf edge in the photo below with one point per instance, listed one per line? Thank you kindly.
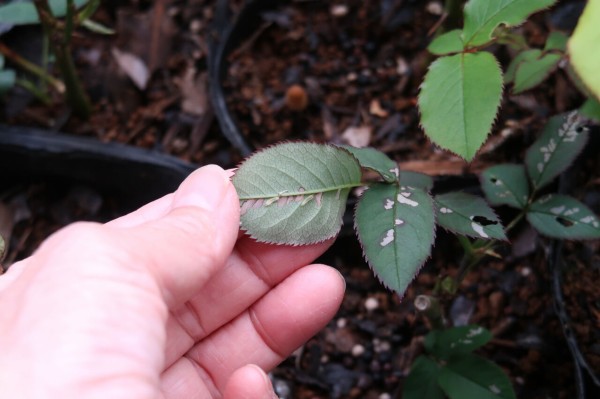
(366, 258)
(491, 128)
(453, 231)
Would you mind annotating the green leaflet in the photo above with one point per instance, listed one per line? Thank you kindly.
(506, 184)
(395, 226)
(295, 193)
(530, 68)
(591, 109)
(557, 41)
(562, 139)
(457, 340)
(561, 216)
(416, 179)
(449, 42)
(8, 77)
(422, 383)
(468, 215)
(459, 99)
(583, 48)
(482, 17)
(24, 13)
(375, 160)
(472, 377)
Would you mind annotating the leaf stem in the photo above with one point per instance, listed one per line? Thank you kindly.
(60, 42)
(32, 68)
(474, 253)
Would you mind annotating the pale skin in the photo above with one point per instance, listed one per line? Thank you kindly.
(169, 301)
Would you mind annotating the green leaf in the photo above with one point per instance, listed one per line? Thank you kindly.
(562, 139)
(583, 47)
(577, 82)
(295, 193)
(482, 17)
(395, 226)
(556, 41)
(415, 179)
(590, 109)
(421, 382)
(561, 216)
(468, 215)
(24, 13)
(530, 68)
(97, 28)
(457, 340)
(8, 77)
(509, 75)
(472, 377)
(506, 184)
(448, 43)
(377, 161)
(459, 99)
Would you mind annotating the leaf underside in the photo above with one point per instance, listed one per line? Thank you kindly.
(561, 216)
(562, 139)
(468, 215)
(471, 376)
(295, 193)
(459, 100)
(377, 161)
(483, 17)
(506, 184)
(396, 228)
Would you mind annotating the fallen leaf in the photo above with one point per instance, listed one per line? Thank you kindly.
(357, 136)
(133, 67)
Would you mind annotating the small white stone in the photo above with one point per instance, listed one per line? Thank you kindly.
(341, 322)
(371, 304)
(385, 395)
(339, 10)
(435, 8)
(358, 350)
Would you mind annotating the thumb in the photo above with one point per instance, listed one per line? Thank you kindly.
(194, 238)
(249, 382)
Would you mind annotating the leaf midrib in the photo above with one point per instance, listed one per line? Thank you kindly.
(297, 193)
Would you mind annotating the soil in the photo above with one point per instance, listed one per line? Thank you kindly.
(342, 72)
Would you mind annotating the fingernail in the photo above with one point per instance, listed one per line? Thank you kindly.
(204, 188)
(268, 384)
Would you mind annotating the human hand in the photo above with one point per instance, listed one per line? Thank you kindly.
(161, 303)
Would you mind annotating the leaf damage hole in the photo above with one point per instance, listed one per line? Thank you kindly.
(565, 222)
(482, 220)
